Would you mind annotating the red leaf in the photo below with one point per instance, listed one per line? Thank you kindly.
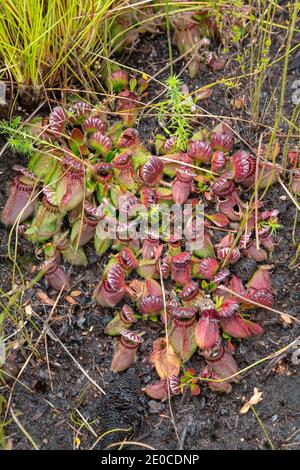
(195, 390)
(77, 137)
(220, 220)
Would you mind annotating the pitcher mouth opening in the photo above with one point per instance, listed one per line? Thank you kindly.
(215, 355)
(26, 187)
(184, 323)
(126, 319)
(128, 345)
(190, 291)
(50, 207)
(92, 222)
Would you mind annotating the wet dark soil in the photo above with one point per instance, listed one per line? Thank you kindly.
(56, 402)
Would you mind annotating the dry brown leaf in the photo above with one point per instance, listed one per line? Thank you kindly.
(28, 310)
(267, 266)
(165, 359)
(33, 268)
(239, 103)
(41, 295)
(9, 444)
(71, 300)
(245, 408)
(75, 293)
(44, 298)
(286, 319)
(256, 398)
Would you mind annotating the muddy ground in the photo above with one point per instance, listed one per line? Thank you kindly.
(48, 407)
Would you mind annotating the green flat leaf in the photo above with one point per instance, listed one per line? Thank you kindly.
(110, 156)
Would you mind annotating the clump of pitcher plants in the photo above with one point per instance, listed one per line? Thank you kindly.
(87, 169)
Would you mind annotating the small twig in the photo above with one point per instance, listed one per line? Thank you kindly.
(256, 363)
(226, 289)
(167, 343)
(221, 229)
(12, 377)
(53, 336)
(288, 192)
(115, 444)
(23, 430)
(186, 164)
(293, 435)
(256, 192)
(89, 427)
(261, 424)
(107, 433)
(291, 444)
(48, 364)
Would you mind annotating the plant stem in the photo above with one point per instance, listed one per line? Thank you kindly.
(261, 424)
(169, 35)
